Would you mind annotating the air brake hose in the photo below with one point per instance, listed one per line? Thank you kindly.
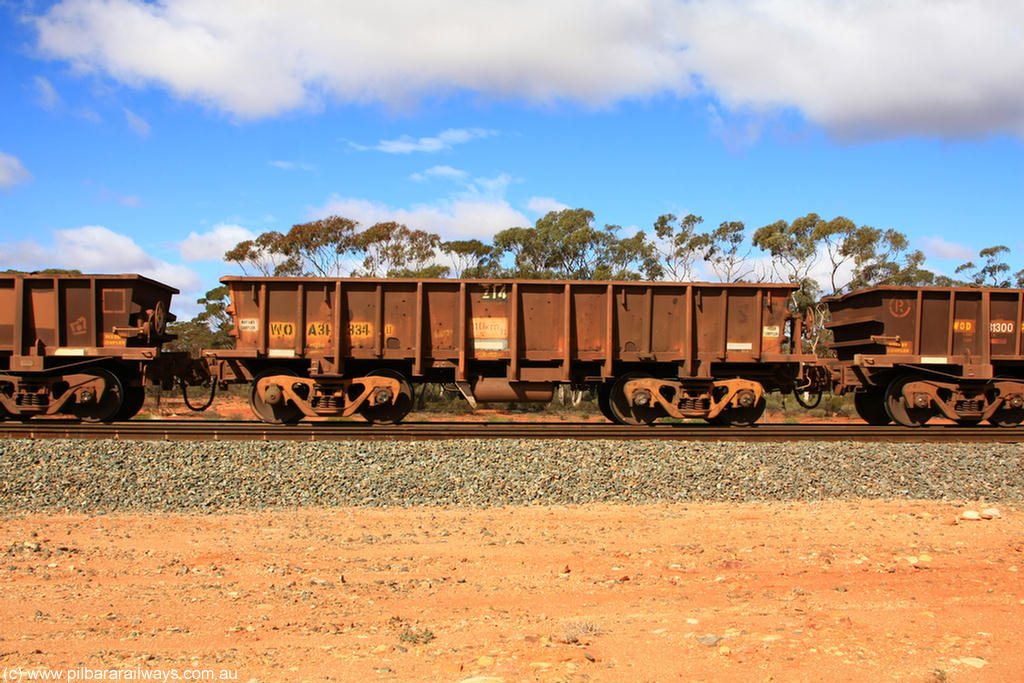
(209, 401)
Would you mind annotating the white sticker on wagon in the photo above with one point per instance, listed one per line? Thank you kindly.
(68, 351)
(739, 346)
(934, 360)
(770, 331)
(281, 353)
(249, 324)
(490, 344)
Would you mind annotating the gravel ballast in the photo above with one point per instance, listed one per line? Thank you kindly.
(108, 476)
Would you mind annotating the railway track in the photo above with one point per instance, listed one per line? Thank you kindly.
(193, 430)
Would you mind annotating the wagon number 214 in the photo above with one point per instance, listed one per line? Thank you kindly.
(495, 293)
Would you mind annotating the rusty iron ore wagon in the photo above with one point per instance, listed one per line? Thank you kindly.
(911, 353)
(317, 347)
(83, 345)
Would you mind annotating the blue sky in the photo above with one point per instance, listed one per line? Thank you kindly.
(149, 137)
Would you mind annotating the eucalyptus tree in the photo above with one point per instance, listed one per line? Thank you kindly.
(726, 253)
(392, 249)
(679, 244)
(471, 258)
(993, 271)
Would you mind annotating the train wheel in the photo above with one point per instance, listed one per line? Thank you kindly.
(604, 401)
(280, 413)
(1007, 417)
(134, 398)
(106, 407)
(389, 413)
(899, 411)
(625, 412)
(743, 417)
(870, 406)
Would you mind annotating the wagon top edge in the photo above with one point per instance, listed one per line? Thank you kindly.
(227, 279)
(89, 276)
(940, 290)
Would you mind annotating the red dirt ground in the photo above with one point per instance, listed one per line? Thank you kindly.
(834, 591)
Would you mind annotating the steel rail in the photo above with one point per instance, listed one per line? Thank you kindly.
(196, 430)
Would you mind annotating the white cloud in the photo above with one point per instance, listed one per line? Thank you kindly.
(47, 96)
(477, 209)
(96, 249)
(457, 218)
(735, 132)
(446, 172)
(89, 115)
(470, 188)
(938, 247)
(875, 67)
(211, 246)
(26, 255)
(108, 195)
(12, 172)
(544, 205)
(137, 123)
(870, 68)
(444, 140)
(291, 165)
(256, 60)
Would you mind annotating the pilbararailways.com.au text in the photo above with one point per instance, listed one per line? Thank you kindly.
(19, 674)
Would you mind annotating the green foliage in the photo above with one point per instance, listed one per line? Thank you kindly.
(209, 329)
(262, 254)
(565, 245)
(571, 244)
(471, 258)
(725, 253)
(416, 636)
(317, 248)
(830, 406)
(44, 271)
(393, 250)
(627, 258)
(882, 257)
(327, 248)
(680, 245)
(839, 237)
(993, 271)
(793, 246)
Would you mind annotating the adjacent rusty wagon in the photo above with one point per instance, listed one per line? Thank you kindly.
(313, 347)
(911, 353)
(82, 345)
